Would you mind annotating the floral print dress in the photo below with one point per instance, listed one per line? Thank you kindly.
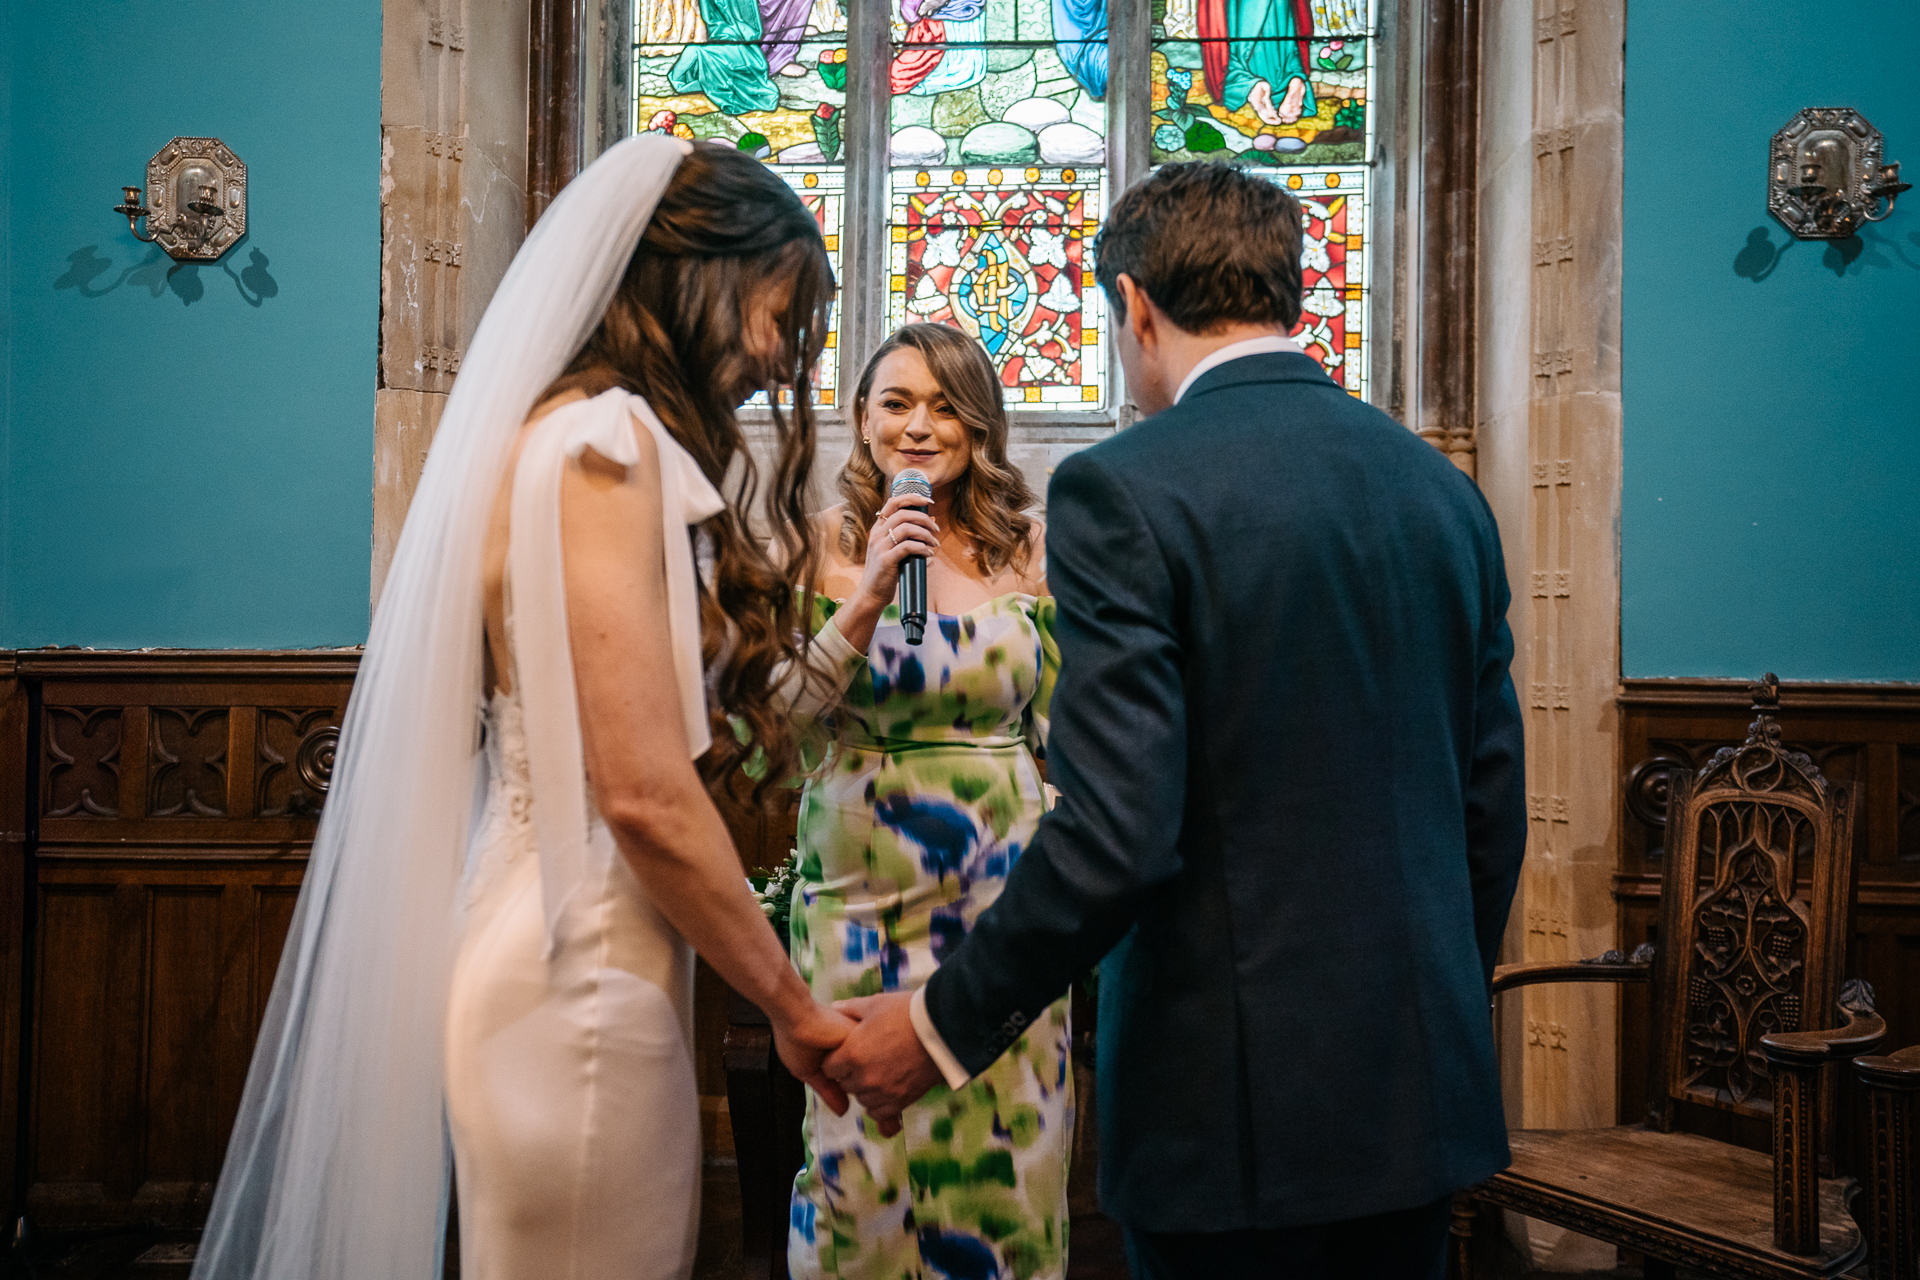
(929, 793)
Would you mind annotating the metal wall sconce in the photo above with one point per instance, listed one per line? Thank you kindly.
(198, 190)
(1827, 175)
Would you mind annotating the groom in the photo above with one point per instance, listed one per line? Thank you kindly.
(1292, 810)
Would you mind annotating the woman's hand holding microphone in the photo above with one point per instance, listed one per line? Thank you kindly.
(901, 529)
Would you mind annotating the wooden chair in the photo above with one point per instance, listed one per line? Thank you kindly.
(1892, 1085)
(1753, 930)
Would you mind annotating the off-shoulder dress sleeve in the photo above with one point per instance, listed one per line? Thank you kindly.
(1045, 616)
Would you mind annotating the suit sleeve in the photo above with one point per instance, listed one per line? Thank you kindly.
(1496, 792)
(1117, 751)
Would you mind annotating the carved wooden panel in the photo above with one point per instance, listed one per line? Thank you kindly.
(1752, 953)
(1747, 973)
(1868, 736)
(178, 797)
(82, 769)
(296, 759)
(1907, 822)
(189, 771)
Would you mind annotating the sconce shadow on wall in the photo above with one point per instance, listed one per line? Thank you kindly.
(158, 274)
(195, 208)
(1760, 257)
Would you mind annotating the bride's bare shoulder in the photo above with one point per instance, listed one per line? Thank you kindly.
(591, 461)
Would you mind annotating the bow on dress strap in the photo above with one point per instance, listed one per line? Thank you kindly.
(573, 871)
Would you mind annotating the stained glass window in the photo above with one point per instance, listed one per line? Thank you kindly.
(767, 76)
(1284, 88)
(996, 115)
(1006, 254)
(997, 126)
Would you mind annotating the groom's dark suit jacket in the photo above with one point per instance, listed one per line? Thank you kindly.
(1292, 813)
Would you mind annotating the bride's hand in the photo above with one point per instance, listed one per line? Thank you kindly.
(900, 530)
(804, 1041)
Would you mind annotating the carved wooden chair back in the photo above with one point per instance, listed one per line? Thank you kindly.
(1753, 916)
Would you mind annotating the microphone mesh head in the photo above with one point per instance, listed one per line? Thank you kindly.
(913, 482)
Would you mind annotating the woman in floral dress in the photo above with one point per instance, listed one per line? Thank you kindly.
(929, 792)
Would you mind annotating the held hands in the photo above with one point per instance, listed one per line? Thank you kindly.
(804, 1041)
(882, 1062)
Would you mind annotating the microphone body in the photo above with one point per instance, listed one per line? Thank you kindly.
(913, 571)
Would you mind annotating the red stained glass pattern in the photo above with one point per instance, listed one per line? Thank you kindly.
(1009, 260)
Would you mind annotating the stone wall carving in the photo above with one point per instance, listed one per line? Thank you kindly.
(453, 124)
(1547, 454)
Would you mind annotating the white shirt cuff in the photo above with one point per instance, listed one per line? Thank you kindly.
(930, 1040)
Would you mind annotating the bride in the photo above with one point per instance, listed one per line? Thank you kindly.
(491, 953)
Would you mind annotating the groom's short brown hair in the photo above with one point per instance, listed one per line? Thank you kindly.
(1210, 244)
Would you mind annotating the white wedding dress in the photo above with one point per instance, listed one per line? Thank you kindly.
(570, 1085)
(571, 1096)
(500, 978)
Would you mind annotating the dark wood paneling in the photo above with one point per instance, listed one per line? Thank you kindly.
(554, 101)
(80, 1054)
(1868, 735)
(1450, 204)
(178, 795)
(18, 792)
(180, 1100)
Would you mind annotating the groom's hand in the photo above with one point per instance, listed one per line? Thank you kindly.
(882, 1062)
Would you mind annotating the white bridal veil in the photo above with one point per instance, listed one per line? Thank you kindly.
(337, 1169)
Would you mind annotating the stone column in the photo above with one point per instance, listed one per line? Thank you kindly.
(1549, 454)
(453, 125)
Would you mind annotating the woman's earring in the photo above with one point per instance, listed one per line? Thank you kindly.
(866, 439)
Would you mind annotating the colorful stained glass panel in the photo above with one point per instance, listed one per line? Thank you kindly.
(1006, 254)
(1333, 271)
(822, 188)
(1006, 82)
(769, 76)
(1262, 82)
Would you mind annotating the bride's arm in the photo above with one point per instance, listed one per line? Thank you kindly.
(637, 752)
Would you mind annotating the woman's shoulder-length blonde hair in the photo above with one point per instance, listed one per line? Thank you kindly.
(991, 497)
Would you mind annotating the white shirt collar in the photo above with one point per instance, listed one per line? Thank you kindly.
(1234, 351)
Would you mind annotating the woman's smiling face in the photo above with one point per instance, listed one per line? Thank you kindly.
(909, 422)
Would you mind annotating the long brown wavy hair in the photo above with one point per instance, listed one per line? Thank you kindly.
(726, 229)
(991, 497)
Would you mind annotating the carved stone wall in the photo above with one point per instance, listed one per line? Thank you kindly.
(453, 124)
(1549, 461)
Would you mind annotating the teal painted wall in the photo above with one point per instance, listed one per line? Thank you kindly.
(1771, 496)
(188, 449)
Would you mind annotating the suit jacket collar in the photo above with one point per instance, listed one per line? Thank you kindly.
(1277, 366)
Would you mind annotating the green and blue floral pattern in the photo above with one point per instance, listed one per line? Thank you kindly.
(928, 795)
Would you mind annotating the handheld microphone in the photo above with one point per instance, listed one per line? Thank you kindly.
(913, 572)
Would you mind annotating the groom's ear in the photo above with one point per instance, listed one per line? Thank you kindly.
(1137, 310)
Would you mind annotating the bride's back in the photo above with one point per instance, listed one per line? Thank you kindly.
(499, 665)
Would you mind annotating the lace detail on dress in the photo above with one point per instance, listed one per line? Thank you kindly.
(506, 825)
